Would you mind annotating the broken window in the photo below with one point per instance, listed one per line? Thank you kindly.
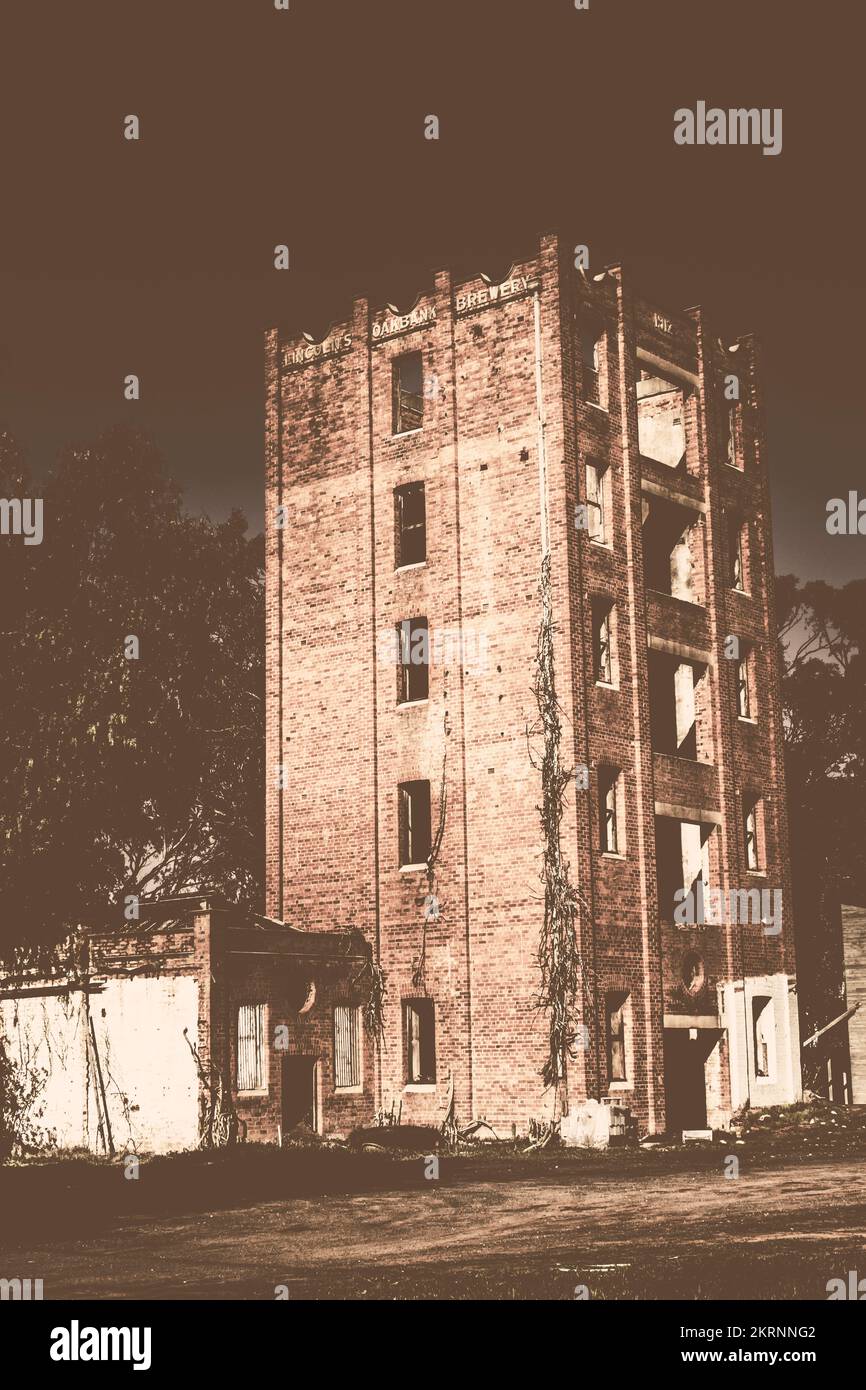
(420, 1035)
(347, 1045)
(763, 1029)
(251, 1047)
(616, 1040)
(672, 549)
(664, 407)
(678, 706)
(610, 799)
(731, 456)
(593, 356)
(684, 855)
(410, 525)
(603, 641)
(407, 393)
(413, 672)
(693, 973)
(738, 547)
(750, 833)
(745, 682)
(598, 501)
(414, 822)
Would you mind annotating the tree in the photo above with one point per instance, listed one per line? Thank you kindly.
(822, 631)
(130, 767)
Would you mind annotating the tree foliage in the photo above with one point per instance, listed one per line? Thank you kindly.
(125, 776)
(822, 630)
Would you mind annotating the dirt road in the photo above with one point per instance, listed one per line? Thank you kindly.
(777, 1233)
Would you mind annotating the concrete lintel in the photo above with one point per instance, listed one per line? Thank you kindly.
(35, 991)
(670, 494)
(680, 649)
(699, 814)
(303, 945)
(691, 1021)
(666, 368)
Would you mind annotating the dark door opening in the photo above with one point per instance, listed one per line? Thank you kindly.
(685, 1078)
(299, 1099)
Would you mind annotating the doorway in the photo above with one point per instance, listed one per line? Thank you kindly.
(299, 1094)
(685, 1076)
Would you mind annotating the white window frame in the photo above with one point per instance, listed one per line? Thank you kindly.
(602, 642)
(744, 693)
(750, 831)
(597, 501)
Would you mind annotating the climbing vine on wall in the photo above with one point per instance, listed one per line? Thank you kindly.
(559, 958)
(220, 1124)
(371, 984)
(431, 902)
(20, 1089)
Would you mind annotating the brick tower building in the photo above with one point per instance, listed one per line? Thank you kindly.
(419, 464)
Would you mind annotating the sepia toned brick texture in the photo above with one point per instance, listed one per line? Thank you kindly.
(545, 361)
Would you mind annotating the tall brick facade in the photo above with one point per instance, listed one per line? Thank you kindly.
(522, 384)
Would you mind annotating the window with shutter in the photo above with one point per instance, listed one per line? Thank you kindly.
(347, 1046)
(251, 1047)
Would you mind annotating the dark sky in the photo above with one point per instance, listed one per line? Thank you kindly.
(306, 127)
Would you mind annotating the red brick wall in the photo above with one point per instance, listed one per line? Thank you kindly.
(281, 986)
(332, 716)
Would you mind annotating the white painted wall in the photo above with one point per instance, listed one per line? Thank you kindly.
(148, 1071)
(47, 1033)
(784, 1085)
(147, 1068)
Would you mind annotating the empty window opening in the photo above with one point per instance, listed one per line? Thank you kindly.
(678, 692)
(751, 805)
(732, 453)
(673, 549)
(605, 665)
(410, 525)
(664, 414)
(738, 552)
(407, 393)
(419, 1023)
(746, 682)
(616, 1005)
(347, 1045)
(685, 854)
(763, 1035)
(251, 1047)
(414, 826)
(693, 973)
(611, 810)
(413, 672)
(594, 359)
(598, 501)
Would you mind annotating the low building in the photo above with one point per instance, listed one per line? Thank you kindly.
(193, 1022)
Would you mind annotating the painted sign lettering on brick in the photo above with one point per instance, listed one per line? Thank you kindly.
(315, 352)
(465, 302)
(400, 323)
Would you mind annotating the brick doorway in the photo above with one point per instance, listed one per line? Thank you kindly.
(685, 1076)
(299, 1094)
